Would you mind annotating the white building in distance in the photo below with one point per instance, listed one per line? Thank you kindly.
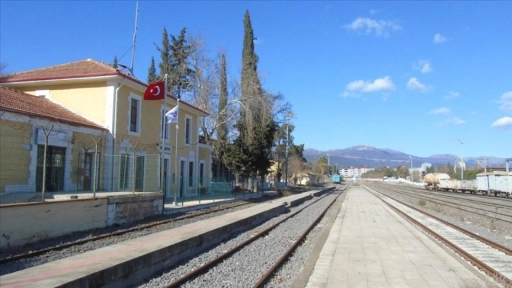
(354, 171)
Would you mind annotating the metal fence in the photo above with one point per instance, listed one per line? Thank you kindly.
(40, 162)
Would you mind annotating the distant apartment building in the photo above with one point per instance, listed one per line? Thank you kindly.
(354, 171)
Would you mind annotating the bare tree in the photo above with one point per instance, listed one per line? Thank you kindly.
(295, 167)
(2, 68)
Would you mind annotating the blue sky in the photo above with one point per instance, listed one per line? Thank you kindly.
(409, 76)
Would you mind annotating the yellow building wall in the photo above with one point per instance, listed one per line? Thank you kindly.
(149, 141)
(89, 100)
(85, 99)
(14, 153)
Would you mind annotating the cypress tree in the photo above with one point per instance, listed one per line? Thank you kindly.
(250, 82)
(165, 57)
(180, 72)
(251, 151)
(114, 64)
(152, 72)
(223, 103)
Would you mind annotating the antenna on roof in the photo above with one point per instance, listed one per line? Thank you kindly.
(135, 33)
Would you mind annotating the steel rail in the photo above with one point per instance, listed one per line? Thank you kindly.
(113, 234)
(292, 248)
(445, 194)
(488, 196)
(212, 263)
(493, 244)
(462, 209)
(487, 269)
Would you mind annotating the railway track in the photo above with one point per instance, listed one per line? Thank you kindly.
(487, 196)
(327, 200)
(84, 241)
(506, 217)
(492, 258)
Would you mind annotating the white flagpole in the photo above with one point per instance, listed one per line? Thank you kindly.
(176, 177)
(163, 138)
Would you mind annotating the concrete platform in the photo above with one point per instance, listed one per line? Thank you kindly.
(370, 245)
(129, 262)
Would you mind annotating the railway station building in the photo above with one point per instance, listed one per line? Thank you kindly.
(103, 130)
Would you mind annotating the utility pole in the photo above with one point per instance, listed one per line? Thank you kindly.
(286, 165)
(328, 163)
(411, 167)
(461, 159)
(134, 35)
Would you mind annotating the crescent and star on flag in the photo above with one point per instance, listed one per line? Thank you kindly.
(155, 91)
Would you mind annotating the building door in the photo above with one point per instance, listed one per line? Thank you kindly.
(87, 170)
(55, 164)
(124, 172)
(182, 177)
(165, 187)
(139, 173)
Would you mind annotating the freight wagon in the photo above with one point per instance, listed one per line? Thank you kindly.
(496, 183)
(488, 183)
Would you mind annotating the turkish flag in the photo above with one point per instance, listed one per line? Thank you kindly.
(155, 91)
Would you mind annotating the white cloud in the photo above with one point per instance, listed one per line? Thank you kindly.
(438, 38)
(442, 110)
(346, 94)
(416, 85)
(506, 102)
(505, 122)
(452, 94)
(456, 121)
(368, 26)
(380, 84)
(424, 66)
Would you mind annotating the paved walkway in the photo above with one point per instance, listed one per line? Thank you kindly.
(187, 203)
(209, 200)
(371, 246)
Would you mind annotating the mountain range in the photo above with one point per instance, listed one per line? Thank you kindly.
(363, 155)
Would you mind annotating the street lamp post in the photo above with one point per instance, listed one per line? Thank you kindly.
(461, 159)
(411, 167)
(286, 164)
(328, 162)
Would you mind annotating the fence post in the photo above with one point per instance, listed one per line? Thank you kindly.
(95, 167)
(46, 134)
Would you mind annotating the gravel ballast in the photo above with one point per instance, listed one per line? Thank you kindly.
(244, 268)
(96, 244)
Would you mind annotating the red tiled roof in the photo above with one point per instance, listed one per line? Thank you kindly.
(78, 69)
(23, 103)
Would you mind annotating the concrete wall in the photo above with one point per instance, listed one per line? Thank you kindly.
(31, 222)
(132, 208)
(28, 223)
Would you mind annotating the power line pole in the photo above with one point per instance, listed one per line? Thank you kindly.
(135, 34)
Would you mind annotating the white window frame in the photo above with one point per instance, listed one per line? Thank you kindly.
(163, 124)
(139, 114)
(188, 131)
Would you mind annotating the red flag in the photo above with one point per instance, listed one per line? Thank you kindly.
(155, 91)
